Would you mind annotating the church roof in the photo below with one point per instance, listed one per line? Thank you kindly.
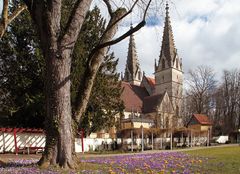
(151, 81)
(133, 96)
(199, 119)
(151, 103)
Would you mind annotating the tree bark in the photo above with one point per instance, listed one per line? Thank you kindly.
(95, 61)
(58, 124)
(57, 48)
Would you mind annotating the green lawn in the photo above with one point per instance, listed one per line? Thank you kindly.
(220, 159)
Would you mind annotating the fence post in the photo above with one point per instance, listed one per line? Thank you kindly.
(15, 140)
(82, 136)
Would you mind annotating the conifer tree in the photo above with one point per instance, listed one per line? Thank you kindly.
(104, 102)
(22, 75)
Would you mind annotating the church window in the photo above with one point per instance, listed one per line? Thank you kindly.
(177, 110)
(127, 78)
(139, 75)
(163, 64)
(163, 78)
(177, 63)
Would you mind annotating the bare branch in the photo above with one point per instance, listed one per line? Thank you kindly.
(125, 35)
(145, 12)
(16, 13)
(75, 22)
(128, 33)
(5, 12)
(6, 19)
(109, 7)
(127, 13)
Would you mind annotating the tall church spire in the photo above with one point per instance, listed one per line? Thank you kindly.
(133, 72)
(168, 72)
(168, 54)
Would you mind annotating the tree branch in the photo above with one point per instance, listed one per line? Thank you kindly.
(127, 13)
(125, 35)
(129, 32)
(5, 12)
(16, 13)
(6, 20)
(94, 61)
(75, 23)
(109, 7)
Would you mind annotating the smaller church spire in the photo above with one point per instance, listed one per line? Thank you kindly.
(133, 72)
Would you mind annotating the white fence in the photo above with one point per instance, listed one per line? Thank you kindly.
(37, 141)
(23, 140)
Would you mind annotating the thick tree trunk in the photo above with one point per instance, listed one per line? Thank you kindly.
(58, 124)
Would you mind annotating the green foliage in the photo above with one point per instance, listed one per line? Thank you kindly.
(104, 102)
(21, 73)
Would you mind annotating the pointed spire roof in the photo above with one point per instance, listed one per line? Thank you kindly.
(132, 64)
(168, 49)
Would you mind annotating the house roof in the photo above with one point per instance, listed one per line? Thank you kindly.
(133, 96)
(201, 119)
(151, 103)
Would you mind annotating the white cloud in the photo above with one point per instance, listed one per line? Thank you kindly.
(206, 32)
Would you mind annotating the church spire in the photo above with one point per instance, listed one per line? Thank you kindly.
(133, 72)
(168, 52)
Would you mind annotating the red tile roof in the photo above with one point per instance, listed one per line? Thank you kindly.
(133, 96)
(151, 81)
(202, 119)
(151, 102)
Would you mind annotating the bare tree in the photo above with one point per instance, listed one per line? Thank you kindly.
(201, 85)
(227, 115)
(57, 42)
(7, 17)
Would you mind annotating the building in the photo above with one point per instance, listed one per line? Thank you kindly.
(155, 101)
(201, 124)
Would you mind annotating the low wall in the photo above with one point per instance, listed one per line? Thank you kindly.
(7, 143)
(37, 140)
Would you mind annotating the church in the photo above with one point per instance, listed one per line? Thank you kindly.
(153, 102)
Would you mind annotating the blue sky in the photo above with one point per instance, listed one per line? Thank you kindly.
(206, 32)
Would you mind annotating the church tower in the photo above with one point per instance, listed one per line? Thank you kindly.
(133, 72)
(168, 70)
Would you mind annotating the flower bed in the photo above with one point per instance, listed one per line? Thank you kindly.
(165, 162)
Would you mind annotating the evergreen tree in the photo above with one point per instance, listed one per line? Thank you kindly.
(21, 74)
(104, 102)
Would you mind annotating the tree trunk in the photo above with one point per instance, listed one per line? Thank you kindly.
(58, 124)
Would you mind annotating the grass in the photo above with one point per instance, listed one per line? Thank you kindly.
(220, 159)
(214, 160)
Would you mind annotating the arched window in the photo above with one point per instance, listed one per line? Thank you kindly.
(139, 75)
(177, 63)
(177, 110)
